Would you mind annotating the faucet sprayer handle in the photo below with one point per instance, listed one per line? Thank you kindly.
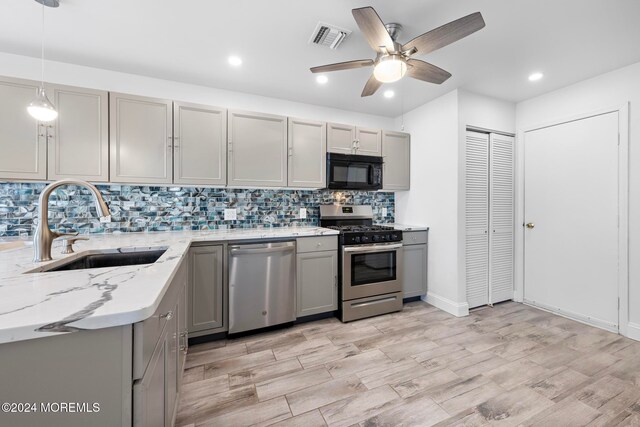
(68, 243)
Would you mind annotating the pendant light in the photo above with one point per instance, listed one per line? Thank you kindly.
(41, 108)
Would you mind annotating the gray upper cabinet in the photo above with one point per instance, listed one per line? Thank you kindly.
(79, 138)
(341, 138)
(257, 150)
(368, 142)
(307, 142)
(22, 140)
(140, 139)
(200, 144)
(206, 292)
(396, 149)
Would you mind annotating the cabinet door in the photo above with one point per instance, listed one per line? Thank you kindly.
(369, 142)
(200, 144)
(307, 153)
(183, 343)
(414, 282)
(396, 156)
(140, 139)
(149, 392)
(257, 150)
(340, 138)
(79, 137)
(206, 288)
(317, 279)
(22, 140)
(171, 368)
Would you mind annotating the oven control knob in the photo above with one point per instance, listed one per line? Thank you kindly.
(395, 237)
(376, 238)
(356, 239)
(365, 239)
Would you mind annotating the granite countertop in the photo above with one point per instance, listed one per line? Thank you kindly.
(405, 227)
(35, 305)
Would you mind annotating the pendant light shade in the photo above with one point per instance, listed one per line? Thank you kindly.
(41, 108)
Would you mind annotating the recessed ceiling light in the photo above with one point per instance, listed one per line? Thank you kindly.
(389, 94)
(236, 61)
(535, 77)
(322, 79)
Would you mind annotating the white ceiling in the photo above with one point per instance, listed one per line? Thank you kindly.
(189, 41)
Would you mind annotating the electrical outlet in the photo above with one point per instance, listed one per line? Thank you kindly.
(230, 214)
(303, 213)
(384, 212)
(104, 219)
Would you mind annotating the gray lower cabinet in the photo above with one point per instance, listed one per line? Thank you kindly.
(207, 296)
(307, 166)
(415, 252)
(141, 139)
(23, 139)
(396, 152)
(78, 140)
(257, 150)
(317, 275)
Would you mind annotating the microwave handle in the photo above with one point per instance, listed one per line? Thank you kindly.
(371, 175)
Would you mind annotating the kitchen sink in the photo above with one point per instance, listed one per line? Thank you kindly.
(108, 258)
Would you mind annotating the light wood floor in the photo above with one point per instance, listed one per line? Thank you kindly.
(507, 365)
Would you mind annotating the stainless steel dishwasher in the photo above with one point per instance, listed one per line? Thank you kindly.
(262, 285)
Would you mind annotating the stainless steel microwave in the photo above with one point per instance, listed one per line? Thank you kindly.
(353, 172)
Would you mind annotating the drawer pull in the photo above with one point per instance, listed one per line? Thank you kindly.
(168, 315)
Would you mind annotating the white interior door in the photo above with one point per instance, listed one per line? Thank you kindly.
(571, 198)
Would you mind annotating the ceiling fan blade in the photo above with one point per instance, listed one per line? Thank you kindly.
(426, 72)
(446, 34)
(342, 66)
(373, 28)
(371, 87)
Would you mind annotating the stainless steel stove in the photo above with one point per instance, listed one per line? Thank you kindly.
(370, 260)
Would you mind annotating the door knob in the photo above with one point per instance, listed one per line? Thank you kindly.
(530, 225)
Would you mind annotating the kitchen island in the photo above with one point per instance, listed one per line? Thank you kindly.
(114, 337)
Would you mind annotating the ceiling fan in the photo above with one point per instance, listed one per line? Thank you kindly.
(394, 60)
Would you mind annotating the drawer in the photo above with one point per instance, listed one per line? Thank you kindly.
(371, 306)
(317, 244)
(414, 237)
(147, 333)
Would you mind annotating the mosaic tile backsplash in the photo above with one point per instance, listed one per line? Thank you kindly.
(149, 208)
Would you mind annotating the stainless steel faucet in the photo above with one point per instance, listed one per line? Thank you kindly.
(43, 238)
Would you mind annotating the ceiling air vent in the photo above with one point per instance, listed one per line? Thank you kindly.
(328, 35)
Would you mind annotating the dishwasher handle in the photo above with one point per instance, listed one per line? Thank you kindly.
(261, 248)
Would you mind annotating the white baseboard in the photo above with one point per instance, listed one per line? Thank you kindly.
(458, 309)
(633, 331)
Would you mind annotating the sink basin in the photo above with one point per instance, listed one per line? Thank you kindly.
(109, 258)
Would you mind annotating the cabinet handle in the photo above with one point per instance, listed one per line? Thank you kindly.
(168, 315)
(335, 280)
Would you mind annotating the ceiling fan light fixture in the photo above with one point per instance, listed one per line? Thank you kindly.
(41, 108)
(390, 68)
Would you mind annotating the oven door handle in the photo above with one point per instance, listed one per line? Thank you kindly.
(374, 248)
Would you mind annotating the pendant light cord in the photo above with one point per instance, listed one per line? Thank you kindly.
(42, 49)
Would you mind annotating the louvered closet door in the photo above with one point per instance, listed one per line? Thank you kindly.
(500, 218)
(477, 218)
